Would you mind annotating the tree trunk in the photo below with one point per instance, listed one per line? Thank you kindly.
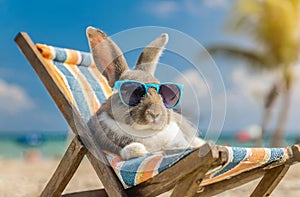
(264, 125)
(267, 113)
(277, 139)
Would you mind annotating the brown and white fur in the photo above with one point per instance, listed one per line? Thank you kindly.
(147, 127)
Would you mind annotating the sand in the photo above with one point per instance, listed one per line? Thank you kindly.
(27, 178)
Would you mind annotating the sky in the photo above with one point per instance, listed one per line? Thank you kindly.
(25, 105)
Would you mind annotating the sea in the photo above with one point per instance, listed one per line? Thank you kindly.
(52, 145)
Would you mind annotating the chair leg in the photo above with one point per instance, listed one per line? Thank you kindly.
(270, 180)
(65, 170)
(189, 185)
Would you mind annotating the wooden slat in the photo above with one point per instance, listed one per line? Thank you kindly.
(91, 193)
(270, 180)
(221, 186)
(207, 156)
(65, 170)
(189, 185)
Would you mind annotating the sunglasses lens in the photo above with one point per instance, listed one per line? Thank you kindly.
(132, 92)
(170, 94)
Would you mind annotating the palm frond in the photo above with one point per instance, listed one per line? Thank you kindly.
(254, 59)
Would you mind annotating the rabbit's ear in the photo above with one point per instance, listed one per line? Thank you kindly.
(150, 55)
(107, 55)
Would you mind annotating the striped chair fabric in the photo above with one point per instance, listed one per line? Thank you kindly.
(76, 75)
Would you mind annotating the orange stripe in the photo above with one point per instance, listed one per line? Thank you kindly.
(45, 51)
(89, 94)
(257, 158)
(149, 168)
(146, 169)
(116, 160)
(72, 57)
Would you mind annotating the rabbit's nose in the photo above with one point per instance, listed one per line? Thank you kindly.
(153, 117)
(153, 113)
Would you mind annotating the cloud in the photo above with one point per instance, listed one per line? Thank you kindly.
(245, 95)
(13, 99)
(193, 83)
(166, 9)
(193, 7)
(217, 3)
(202, 103)
(195, 98)
(196, 7)
(162, 9)
(253, 86)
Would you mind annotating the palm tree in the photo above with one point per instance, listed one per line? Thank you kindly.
(273, 25)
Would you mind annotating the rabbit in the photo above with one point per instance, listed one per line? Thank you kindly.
(147, 127)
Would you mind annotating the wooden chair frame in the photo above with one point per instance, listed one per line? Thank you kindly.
(184, 177)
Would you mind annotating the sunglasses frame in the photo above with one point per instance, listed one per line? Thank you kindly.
(119, 83)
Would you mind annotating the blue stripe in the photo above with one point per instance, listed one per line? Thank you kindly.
(130, 168)
(76, 91)
(276, 154)
(239, 155)
(86, 59)
(93, 83)
(167, 162)
(171, 159)
(60, 55)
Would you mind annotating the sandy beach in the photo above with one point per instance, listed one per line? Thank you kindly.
(27, 178)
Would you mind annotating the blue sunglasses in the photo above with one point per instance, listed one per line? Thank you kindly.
(131, 92)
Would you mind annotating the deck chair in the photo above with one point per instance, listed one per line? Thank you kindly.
(78, 89)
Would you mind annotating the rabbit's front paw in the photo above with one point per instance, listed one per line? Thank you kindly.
(133, 150)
